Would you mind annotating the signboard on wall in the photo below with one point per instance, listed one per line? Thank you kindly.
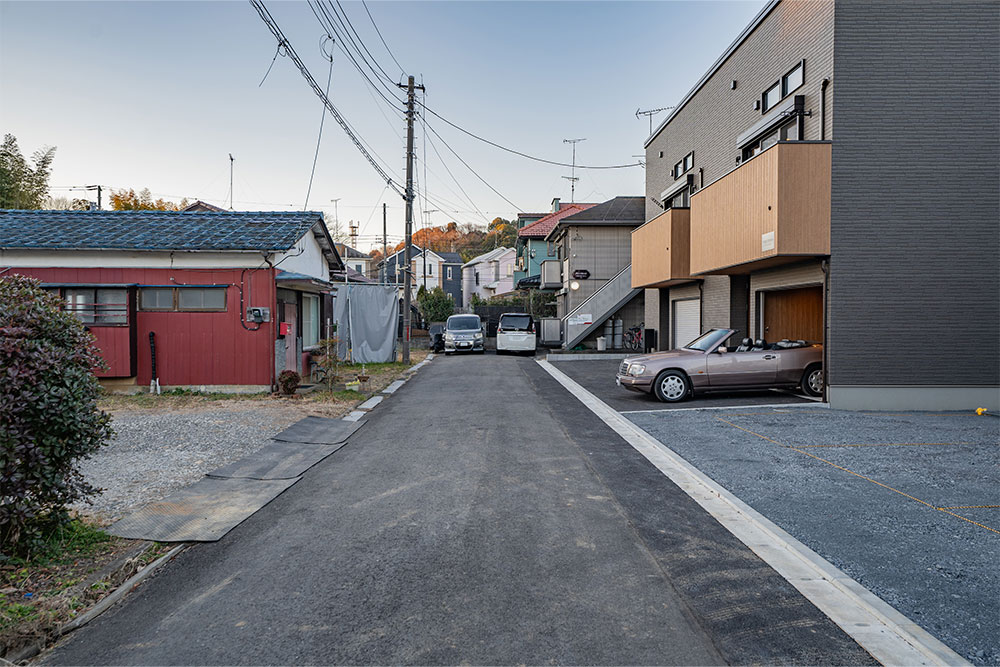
(581, 274)
(583, 318)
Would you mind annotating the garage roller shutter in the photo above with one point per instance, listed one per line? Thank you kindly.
(686, 322)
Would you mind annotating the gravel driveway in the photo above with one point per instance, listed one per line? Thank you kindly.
(156, 452)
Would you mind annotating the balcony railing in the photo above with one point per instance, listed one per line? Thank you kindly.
(661, 250)
(773, 209)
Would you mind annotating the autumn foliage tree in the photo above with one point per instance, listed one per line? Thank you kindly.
(128, 200)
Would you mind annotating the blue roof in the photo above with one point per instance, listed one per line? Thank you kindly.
(157, 230)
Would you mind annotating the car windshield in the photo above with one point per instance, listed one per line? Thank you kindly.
(709, 341)
(464, 323)
(515, 322)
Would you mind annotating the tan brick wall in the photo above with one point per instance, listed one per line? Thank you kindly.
(712, 120)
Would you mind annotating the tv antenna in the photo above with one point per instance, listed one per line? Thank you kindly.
(651, 113)
(573, 179)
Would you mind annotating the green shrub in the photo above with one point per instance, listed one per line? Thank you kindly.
(436, 305)
(48, 411)
(289, 381)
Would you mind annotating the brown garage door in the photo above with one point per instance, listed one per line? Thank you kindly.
(794, 314)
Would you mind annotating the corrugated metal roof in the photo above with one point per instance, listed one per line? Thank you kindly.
(154, 230)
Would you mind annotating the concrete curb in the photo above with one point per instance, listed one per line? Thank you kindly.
(102, 606)
(888, 635)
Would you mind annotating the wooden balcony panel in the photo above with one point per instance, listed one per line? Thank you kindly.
(773, 209)
(660, 250)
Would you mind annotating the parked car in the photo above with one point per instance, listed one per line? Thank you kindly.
(707, 364)
(464, 333)
(516, 333)
(436, 333)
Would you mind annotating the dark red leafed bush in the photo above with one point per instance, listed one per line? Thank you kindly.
(48, 411)
(288, 381)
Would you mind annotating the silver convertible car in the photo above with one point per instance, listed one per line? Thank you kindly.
(707, 364)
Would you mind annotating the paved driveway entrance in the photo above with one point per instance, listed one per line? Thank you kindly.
(906, 504)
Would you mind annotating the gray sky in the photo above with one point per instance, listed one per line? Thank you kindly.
(157, 94)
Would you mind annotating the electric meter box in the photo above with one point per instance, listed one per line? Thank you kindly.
(255, 314)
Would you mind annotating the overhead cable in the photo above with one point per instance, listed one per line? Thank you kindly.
(525, 155)
(388, 50)
(265, 16)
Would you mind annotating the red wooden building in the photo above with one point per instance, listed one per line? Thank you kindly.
(230, 298)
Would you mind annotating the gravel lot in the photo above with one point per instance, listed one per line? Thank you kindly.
(155, 452)
(938, 569)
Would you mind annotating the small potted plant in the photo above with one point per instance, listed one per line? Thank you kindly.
(288, 382)
(363, 378)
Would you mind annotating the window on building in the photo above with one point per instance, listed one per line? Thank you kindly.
(193, 299)
(98, 306)
(430, 269)
(792, 80)
(477, 277)
(310, 320)
(449, 272)
(786, 132)
(684, 165)
(679, 200)
(510, 270)
(771, 97)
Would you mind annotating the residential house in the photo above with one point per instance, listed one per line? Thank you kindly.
(354, 260)
(592, 271)
(229, 299)
(199, 206)
(532, 249)
(796, 192)
(488, 275)
(441, 269)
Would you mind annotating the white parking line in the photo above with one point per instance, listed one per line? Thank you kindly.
(730, 407)
(796, 394)
(888, 635)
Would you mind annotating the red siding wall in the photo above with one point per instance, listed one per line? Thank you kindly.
(191, 348)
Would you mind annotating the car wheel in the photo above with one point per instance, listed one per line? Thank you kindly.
(671, 386)
(812, 381)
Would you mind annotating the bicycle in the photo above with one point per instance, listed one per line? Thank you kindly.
(632, 339)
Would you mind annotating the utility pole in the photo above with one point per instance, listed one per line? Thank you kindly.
(410, 113)
(572, 179)
(231, 160)
(385, 248)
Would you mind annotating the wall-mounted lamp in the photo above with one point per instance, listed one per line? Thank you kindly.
(574, 285)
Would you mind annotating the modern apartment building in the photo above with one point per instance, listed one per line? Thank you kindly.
(834, 177)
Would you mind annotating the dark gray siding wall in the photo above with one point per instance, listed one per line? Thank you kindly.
(453, 286)
(712, 120)
(915, 229)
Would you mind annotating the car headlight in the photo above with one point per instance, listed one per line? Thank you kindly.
(449, 336)
(635, 370)
(479, 335)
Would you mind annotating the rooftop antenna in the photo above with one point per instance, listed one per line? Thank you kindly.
(573, 179)
(353, 226)
(231, 160)
(651, 113)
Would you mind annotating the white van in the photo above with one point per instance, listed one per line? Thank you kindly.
(516, 333)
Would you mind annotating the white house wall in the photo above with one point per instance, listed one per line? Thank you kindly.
(306, 258)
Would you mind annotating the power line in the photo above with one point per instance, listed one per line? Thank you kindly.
(401, 70)
(525, 155)
(438, 135)
(443, 164)
(343, 13)
(279, 35)
(319, 138)
(329, 23)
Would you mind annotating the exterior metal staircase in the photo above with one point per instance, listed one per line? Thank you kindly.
(600, 305)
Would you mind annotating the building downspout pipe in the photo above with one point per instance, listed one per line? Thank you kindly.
(822, 110)
(825, 266)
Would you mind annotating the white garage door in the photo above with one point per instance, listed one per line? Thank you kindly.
(686, 321)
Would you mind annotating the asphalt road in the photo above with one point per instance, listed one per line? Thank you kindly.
(482, 516)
